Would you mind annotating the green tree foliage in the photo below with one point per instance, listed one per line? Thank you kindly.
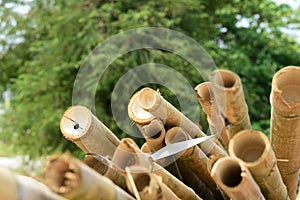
(42, 51)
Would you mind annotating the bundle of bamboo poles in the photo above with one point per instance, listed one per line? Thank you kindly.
(238, 163)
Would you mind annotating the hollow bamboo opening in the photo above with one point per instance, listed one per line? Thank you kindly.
(225, 79)
(229, 173)
(289, 85)
(248, 147)
(204, 91)
(141, 180)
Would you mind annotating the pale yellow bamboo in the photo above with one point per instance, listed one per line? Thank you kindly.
(285, 125)
(154, 134)
(73, 179)
(14, 187)
(230, 100)
(215, 120)
(148, 185)
(193, 157)
(235, 180)
(154, 103)
(80, 126)
(128, 154)
(254, 149)
(136, 113)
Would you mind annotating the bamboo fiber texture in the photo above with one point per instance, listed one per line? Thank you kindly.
(230, 99)
(128, 154)
(205, 96)
(80, 126)
(235, 180)
(254, 149)
(13, 187)
(193, 158)
(285, 125)
(154, 103)
(73, 179)
(149, 185)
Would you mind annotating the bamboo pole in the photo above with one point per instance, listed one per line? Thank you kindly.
(154, 103)
(81, 127)
(136, 113)
(148, 185)
(205, 96)
(254, 149)
(230, 99)
(194, 158)
(100, 165)
(235, 180)
(13, 187)
(154, 134)
(285, 125)
(73, 179)
(128, 154)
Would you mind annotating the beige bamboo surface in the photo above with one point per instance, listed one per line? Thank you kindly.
(254, 149)
(205, 96)
(136, 113)
(73, 179)
(193, 158)
(229, 95)
(103, 168)
(128, 154)
(149, 185)
(13, 187)
(80, 126)
(235, 180)
(285, 124)
(154, 103)
(154, 134)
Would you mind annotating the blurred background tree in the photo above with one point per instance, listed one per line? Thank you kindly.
(43, 43)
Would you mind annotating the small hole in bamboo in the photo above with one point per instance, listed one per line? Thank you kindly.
(76, 126)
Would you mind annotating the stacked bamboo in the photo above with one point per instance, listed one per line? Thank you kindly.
(239, 164)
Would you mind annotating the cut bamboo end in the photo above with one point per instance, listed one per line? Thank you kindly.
(80, 126)
(137, 113)
(206, 98)
(72, 179)
(148, 185)
(235, 180)
(254, 149)
(229, 95)
(123, 159)
(285, 95)
(8, 185)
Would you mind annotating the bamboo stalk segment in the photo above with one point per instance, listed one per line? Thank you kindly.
(98, 163)
(253, 147)
(13, 187)
(235, 180)
(136, 113)
(230, 99)
(72, 179)
(128, 154)
(154, 103)
(81, 127)
(285, 125)
(148, 185)
(205, 96)
(154, 134)
(194, 158)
